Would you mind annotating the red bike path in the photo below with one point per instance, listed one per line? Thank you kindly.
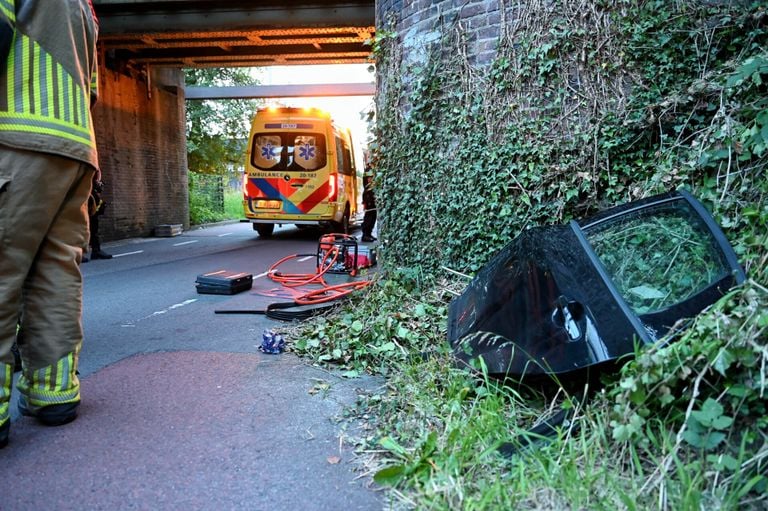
(196, 430)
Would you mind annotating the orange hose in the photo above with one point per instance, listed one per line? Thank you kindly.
(326, 293)
(330, 293)
(294, 279)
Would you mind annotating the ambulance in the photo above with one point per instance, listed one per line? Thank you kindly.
(301, 168)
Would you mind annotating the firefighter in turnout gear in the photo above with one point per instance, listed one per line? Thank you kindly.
(47, 163)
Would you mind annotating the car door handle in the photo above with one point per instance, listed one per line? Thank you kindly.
(568, 315)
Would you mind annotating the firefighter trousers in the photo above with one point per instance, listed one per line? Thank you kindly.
(43, 232)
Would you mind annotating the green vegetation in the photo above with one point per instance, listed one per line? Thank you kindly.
(683, 423)
(658, 261)
(233, 204)
(205, 208)
(217, 132)
(589, 104)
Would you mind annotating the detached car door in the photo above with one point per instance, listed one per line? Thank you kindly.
(560, 299)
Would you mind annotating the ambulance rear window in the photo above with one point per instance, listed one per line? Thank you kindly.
(292, 151)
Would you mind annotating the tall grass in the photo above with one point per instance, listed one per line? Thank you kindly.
(233, 204)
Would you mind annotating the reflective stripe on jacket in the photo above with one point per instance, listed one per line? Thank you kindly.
(48, 82)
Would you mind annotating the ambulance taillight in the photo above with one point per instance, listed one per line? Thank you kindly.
(333, 189)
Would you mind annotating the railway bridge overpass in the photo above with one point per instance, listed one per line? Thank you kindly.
(144, 47)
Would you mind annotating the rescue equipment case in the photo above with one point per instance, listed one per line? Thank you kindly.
(223, 282)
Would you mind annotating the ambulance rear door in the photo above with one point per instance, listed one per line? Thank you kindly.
(289, 180)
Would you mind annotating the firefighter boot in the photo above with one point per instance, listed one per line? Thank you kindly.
(50, 415)
(51, 394)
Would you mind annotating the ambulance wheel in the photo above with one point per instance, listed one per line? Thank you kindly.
(264, 230)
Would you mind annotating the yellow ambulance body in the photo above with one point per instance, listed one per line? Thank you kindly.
(301, 169)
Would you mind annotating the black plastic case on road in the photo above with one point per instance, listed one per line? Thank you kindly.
(223, 282)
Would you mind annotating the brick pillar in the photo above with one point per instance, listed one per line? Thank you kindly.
(141, 136)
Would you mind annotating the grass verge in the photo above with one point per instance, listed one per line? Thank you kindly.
(681, 427)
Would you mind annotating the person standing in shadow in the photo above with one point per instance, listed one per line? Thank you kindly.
(96, 205)
(369, 203)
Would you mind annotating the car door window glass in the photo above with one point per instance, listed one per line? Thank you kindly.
(658, 256)
(289, 151)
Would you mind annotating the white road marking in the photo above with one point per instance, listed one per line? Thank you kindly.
(128, 253)
(226, 234)
(185, 243)
(132, 324)
(175, 306)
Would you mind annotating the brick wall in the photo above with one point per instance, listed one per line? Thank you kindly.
(418, 23)
(140, 132)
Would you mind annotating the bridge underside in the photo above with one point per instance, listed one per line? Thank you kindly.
(144, 46)
(205, 33)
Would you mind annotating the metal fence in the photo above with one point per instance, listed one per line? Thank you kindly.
(206, 196)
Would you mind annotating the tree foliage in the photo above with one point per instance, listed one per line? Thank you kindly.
(217, 130)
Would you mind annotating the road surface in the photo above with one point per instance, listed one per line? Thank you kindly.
(179, 408)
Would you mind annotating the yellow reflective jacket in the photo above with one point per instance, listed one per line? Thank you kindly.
(47, 80)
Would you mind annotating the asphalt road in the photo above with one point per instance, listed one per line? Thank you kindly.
(179, 408)
(144, 299)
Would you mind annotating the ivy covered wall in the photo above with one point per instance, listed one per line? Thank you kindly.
(577, 107)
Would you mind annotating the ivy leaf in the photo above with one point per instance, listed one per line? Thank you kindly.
(388, 346)
(711, 415)
(749, 69)
(738, 390)
(723, 461)
(621, 432)
(722, 422)
(706, 441)
(723, 361)
(356, 327)
(709, 411)
(628, 383)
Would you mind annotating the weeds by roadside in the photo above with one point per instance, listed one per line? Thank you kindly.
(682, 427)
(201, 211)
